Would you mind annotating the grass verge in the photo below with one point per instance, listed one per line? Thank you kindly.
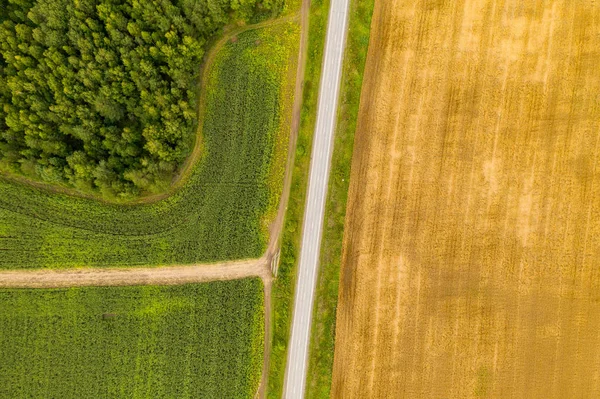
(323, 326)
(218, 215)
(188, 341)
(284, 285)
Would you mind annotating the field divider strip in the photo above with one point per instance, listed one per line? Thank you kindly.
(161, 275)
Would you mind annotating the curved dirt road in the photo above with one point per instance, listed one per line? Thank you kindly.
(181, 274)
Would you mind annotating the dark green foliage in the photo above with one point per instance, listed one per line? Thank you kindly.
(217, 215)
(100, 94)
(190, 341)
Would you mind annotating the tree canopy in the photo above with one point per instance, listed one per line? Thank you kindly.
(100, 94)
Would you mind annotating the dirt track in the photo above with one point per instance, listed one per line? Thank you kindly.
(169, 275)
(471, 264)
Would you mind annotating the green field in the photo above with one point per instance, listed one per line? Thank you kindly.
(189, 341)
(221, 212)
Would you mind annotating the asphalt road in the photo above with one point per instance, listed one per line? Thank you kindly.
(297, 363)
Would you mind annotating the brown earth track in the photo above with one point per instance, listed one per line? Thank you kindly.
(471, 263)
(164, 275)
(230, 270)
(16, 278)
(276, 226)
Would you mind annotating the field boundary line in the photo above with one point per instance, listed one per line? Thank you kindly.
(20, 277)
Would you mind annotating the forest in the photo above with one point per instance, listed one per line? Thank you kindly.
(101, 95)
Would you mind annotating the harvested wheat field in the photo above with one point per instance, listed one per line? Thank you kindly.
(471, 264)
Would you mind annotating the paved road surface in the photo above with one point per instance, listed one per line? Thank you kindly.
(295, 377)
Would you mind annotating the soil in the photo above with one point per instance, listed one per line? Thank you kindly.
(276, 226)
(187, 273)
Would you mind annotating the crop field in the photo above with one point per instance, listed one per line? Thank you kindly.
(188, 341)
(471, 260)
(224, 209)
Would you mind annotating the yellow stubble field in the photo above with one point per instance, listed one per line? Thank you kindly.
(471, 264)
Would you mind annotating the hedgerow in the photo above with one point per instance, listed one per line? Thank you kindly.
(190, 341)
(218, 214)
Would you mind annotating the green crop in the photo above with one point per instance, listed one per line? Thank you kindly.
(189, 341)
(221, 211)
